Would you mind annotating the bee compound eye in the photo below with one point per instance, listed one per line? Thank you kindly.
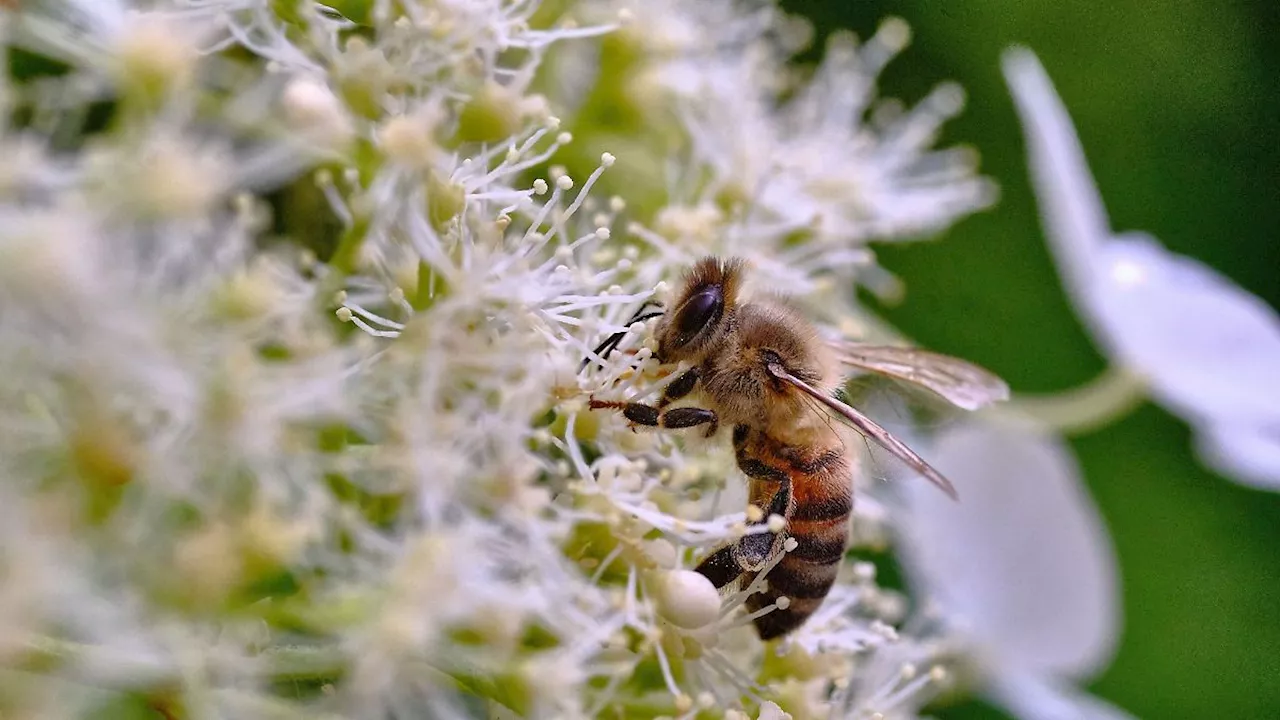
(699, 311)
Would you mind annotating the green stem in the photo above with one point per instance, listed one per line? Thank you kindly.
(259, 706)
(281, 663)
(287, 662)
(347, 253)
(304, 662)
(1097, 403)
(430, 286)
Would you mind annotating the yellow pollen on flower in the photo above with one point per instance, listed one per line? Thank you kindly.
(154, 55)
(312, 106)
(407, 139)
(776, 523)
(894, 33)
(884, 630)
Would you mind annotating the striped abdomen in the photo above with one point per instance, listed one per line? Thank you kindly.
(812, 488)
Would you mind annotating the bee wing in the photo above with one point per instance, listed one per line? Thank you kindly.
(963, 384)
(869, 429)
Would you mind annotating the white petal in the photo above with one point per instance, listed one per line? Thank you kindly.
(1036, 698)
(1210, 349)
(1023, 560)
(1248, 454)
(1074, 218)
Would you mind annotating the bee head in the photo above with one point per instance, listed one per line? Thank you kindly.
(697, 318)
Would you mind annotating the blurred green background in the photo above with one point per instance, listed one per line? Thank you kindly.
(1178, 110)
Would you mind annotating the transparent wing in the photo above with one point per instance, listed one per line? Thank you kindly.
(963, 384)
(868, 428)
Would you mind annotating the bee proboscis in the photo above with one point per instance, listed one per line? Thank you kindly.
(764, 370)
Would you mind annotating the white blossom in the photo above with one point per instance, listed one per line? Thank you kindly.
(1020, 573)
(1207, 349)
(299, 345)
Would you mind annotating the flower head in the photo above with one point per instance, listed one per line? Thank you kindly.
(1206, 348)
(300, 348)
(1020, 576)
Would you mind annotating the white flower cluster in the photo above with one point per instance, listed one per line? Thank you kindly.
(300, 308)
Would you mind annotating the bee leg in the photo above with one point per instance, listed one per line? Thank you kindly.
(756, 549)
(673, 419)
(686, 417)
(720, 567)
(679, 387)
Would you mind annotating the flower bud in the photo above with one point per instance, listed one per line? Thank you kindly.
(687, 599)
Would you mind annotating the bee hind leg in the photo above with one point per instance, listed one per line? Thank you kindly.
(754, 550)
(720, 567)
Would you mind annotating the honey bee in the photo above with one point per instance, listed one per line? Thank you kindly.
(764, 370)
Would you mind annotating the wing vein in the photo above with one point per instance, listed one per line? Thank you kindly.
(869, 429)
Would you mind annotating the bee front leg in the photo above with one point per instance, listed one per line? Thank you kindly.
(673, 419)
(679, 387)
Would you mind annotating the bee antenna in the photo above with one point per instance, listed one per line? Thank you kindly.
(604, 349)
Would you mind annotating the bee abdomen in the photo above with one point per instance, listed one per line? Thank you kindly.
(804, 591)
(804, 576)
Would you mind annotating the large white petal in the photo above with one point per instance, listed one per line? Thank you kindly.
(1209, 349)
(1074, 218)
(1031, 697)
(1250, 454)
(1023, 561)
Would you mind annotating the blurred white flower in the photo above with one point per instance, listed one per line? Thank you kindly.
(220, 500)
(1208, 350)
(773, 160)
(1021, 569)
